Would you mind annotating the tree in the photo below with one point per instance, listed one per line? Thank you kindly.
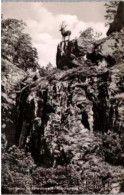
(90, 34)
(111, 10)
(17, 46)
(49, 66)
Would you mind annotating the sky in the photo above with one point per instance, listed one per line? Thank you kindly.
(43, 22)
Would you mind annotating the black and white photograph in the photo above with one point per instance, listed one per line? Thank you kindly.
(62, 97)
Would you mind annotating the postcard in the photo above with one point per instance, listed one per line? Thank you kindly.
(62, 97)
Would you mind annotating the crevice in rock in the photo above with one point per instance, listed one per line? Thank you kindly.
(21, 107)
(101, 110)
(94, 57)
(84, 120)
(40, 131)
(110, 60)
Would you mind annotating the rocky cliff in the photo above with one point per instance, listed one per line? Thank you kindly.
(68, 106)
(86, 51)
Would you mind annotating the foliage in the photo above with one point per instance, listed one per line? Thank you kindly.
(11, 77)
(45, 71)
(16, 45)
(111, 10)
(89, 33)
(113, 148)
(93, 177)
(20, 175)
(18, 56)
(49, 66)
(59, 178)
(16, 170)
(6, 108)
(3, 143)
(96, 177)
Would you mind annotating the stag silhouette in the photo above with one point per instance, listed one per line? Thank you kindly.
(64, 33)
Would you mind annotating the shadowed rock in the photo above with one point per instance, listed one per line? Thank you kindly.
(118, 22)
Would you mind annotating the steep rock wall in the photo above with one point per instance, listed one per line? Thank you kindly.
(58, 115)
(83, 52)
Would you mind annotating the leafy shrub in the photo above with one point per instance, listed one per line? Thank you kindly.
(20, 175)
(62, 179)
(16, 171)
(113, 148)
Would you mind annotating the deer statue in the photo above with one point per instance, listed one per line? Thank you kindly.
(64, 32)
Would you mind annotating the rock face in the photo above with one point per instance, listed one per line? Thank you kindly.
(88, 52)
(67, 55)
(118, 22)
(61, 112)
